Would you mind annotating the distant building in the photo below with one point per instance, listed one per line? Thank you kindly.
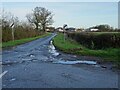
(71, 29)
(80, 30)
(50, 29)
(59, 29)
(91, 29)
(94, 29)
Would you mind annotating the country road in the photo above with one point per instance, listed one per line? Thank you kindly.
(38, 65)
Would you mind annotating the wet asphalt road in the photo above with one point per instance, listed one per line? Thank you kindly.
(30, 66)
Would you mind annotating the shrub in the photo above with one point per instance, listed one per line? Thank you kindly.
(19, 33)
(97, 41)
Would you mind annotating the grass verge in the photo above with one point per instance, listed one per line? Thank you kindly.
(21, 41)
(70, 46)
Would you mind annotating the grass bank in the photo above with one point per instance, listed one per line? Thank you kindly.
(70, 46)
(21, 41)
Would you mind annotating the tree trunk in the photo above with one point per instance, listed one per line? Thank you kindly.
(36, 24)
(44, 27)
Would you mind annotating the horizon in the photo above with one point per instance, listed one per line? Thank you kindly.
(74, 14)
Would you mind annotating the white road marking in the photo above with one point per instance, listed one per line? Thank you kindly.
(3, 74)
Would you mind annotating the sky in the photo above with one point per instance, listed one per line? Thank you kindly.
(74, 14)
(59, 0)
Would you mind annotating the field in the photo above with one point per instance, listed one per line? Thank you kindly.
(73, 47)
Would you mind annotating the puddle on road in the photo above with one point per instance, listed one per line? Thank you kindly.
(52, 49)
(8, 62)
(13, 79)
(75, 62)
(67, 62)
(31, 55)
(26, 59)
(11, 62)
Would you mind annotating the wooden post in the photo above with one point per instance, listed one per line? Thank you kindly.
(64, 26)
(64, 34)
(13, 34)
(12, 26)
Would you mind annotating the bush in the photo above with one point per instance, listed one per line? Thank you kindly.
(97, 41)
(19, 33)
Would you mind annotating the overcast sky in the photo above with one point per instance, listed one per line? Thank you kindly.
(75, 14)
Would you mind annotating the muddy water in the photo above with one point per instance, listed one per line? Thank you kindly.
(52, 49)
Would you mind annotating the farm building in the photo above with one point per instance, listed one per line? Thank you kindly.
(59, 29)
(94, 29)
(70, 29)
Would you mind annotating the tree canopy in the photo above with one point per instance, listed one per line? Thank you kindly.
(40, 17)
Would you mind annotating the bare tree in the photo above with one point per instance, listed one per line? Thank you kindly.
(8, 19)
(41, 18)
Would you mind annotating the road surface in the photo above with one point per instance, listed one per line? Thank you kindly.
(36, 65)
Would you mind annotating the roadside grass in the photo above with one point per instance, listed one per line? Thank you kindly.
(21, 41)
(70, 46)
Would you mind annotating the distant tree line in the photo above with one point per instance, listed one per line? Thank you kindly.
(104, 28)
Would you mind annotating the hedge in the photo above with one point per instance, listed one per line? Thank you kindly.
(95, 40)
